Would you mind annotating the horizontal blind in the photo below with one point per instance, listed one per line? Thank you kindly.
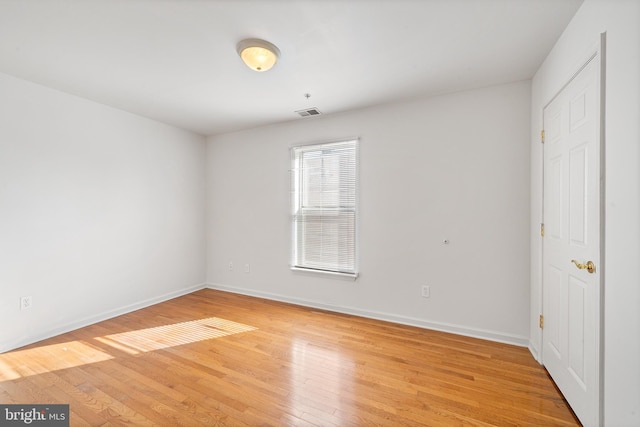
(324, 183)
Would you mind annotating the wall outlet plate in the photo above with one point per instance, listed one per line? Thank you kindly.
(426, 292)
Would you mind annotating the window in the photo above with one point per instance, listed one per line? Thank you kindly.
(324, 186)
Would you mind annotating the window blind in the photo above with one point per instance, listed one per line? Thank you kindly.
(324, 186)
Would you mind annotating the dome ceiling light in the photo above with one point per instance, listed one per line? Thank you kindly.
(259, 55)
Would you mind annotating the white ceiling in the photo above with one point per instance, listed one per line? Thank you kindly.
(175, 60)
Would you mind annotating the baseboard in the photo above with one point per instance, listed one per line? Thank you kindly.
(516, 340)
(90, 320)
(534, 352)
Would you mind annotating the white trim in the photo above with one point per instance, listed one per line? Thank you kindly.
(299, 243)
(595, 52)
(517, 340)
(534, 352)
(322, 142)
(353, 276)
(90, 320)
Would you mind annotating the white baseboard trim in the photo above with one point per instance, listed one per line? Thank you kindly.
(517, 340)
(534, 352)
(90, 320)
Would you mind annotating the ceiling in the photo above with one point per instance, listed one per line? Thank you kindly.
(175, 61)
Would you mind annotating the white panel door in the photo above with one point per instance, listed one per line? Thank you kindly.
(571, 293)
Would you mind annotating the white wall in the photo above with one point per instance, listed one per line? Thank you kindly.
(451, 167)
(620, 19)
(101, 211)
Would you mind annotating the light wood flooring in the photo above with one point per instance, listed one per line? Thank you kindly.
(217, 358)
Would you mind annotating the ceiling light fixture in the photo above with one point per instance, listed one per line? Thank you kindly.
(259, 55)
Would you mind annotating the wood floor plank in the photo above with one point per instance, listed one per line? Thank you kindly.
(220, 359)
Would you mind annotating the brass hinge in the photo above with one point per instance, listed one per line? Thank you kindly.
(541, 321)
(542, 136)
(542, 229)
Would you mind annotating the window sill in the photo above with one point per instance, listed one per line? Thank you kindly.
(353, 276)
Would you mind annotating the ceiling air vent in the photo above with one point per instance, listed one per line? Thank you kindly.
(309, 112)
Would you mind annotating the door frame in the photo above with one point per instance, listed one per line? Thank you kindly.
(598, 49)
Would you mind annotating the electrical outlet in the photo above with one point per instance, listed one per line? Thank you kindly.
(26, 302)
(247, 268)
(230, 265)
(426, 292)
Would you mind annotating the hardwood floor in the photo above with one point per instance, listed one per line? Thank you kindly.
(216, 358)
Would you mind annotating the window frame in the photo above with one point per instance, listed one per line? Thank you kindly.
(296, 206)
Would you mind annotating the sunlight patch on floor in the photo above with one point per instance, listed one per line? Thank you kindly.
(39, 360)
(54, 357)
(160, 337)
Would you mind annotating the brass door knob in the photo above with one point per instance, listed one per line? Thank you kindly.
(589, 266)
